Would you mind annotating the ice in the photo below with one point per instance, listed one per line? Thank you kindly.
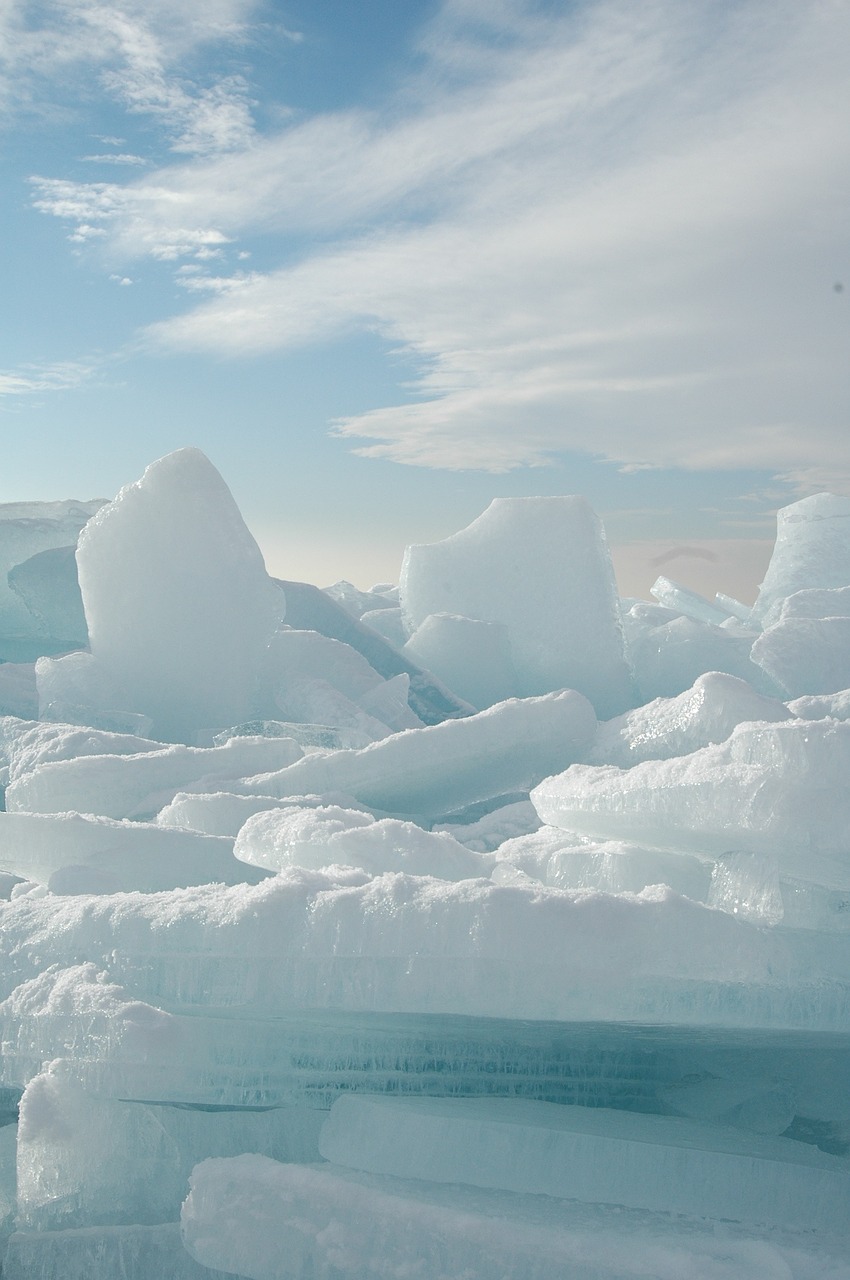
(330, 835)
(669, 656)
(178, 603)
(812, 550)
(223, 813)
(138, 785)
(327, 1222)
(103, 1253)
(806, 655)
(49, 587)
(835, 706)
(541, 568)
(592, 1154)
(18, 690)
(442, 768)
(472, 657)
(666, 727)
(773, 790)
(682, 600)
(27, 528)
(72, 853)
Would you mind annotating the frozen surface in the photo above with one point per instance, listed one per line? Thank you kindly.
(469, 655)
(668, 655)
(806, 655)
(592, 1154)
(689, 603)
(541, 568)
(178, 603)
(442, 768)
(49, 587)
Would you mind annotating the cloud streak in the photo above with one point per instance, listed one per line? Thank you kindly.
(614, 229)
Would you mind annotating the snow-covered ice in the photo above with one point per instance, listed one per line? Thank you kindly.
(487, 926)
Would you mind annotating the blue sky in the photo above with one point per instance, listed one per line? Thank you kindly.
(384, 261)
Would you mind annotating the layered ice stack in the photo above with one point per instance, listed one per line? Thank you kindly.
(490, 926)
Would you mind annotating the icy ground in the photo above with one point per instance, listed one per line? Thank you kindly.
(488, 927)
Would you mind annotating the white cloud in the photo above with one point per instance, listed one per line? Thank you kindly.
(610, 227)
(32, 379)
(120, 158)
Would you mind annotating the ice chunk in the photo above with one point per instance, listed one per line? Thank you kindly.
(812, 549)
(178, 603)
(806, 655)
(592, 1154)
(283, 1222)
(541, 567)
(488, 832)
(310, 609)
(770, 789)
(223, 813)
(388, 623)
(27, 744)
(834, 706)
(76, 854)
(25, 529)
(705, 713)
(470, 656)
(330, 835)
(139, 785)
(441, 768)
(668, 658)
(49, 587)
(103, 1253)
(18, 690)
(689, 603)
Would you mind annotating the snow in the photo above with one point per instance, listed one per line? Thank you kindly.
(523, 908)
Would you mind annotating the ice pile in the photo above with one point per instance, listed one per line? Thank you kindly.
(490, 926)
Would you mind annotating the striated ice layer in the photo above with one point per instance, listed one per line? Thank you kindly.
(329, 835)
(306, 940)
(327, 1222)
(74, 853)
(774, 790)
(442, 768)
(138, 785)
(812, 550)
(541, 568)
(104, 1253)
(704, 714)
(177, 599)
(666, 1163)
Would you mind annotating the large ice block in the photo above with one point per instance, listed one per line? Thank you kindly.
(772, 790)
(330, 835)
(806, 655)
(49, 587)
(178, 603)
(669, 657)
(138, 785)
(72, 853)
(284, 1222)
(541, 567)
(812, 549)
(472, 657)
(442, 768)
(592, 1154)
(665, 727)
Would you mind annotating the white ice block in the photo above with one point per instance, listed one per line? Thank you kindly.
(470, 656)
(442, 768)
(776, 790)
(689, 603)
(541, 567)
(668, 658)
(283, 1222)
(806, 655)
(666, 727)
(330, 835)
(103, 1253)
(139, 785)
(593, 1154)
(812, 549)
(75, 853)
(178, 603)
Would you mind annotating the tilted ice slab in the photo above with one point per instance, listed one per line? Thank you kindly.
(592, 1154)
(775, 790)
(812, 550)
(704, 714)
(330, 835)
(398, 943)
(689, 603)
(541, 567)
(138, 785)
(471, 656)
(177, 599)
(325, 1222)
(669, 657)
(806, 655)
(73, 853)
(25, 744)
(442, 768)
(48, 585)
(222, 813)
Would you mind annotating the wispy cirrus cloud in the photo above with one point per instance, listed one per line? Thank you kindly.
(611, 228)
(34, 379)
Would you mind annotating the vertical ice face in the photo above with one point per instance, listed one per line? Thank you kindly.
(177, 599)
(812, 549)
(541, 567)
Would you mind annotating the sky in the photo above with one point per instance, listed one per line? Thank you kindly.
(383, 262)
